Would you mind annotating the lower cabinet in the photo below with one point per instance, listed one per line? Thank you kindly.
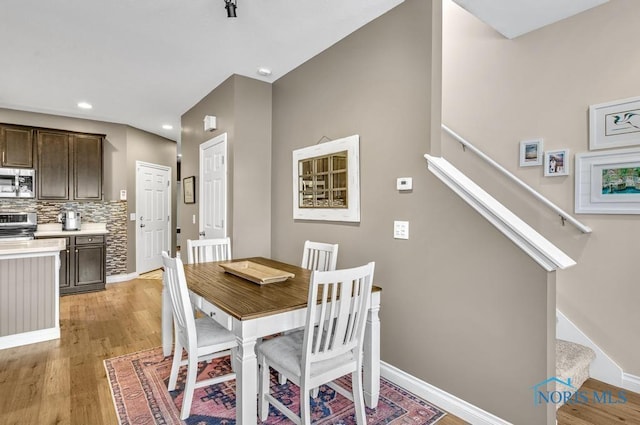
(83, 264)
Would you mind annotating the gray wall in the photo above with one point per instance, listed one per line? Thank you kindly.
(122, 147)
(462, 307)
(497, 92)
(147, 147)
(243, 109)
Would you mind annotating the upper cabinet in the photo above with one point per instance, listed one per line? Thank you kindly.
(16, 144)
(69, 165)
(86, 164)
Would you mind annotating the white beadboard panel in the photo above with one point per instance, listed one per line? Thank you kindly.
(27, 294)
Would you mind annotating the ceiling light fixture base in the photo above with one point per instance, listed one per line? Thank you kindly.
(231, 6)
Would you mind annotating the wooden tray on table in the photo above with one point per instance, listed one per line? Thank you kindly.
(256, 273)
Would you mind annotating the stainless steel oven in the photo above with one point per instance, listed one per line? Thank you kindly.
(17, 225)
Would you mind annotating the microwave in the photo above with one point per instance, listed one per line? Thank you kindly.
(17, 183)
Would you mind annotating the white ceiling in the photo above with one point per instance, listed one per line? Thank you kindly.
(513, 18)
(145, 62)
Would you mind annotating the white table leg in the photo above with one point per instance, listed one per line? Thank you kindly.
(167, 322)
(246, 382)
(371, 373)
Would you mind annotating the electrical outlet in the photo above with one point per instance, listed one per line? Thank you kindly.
(401, 229)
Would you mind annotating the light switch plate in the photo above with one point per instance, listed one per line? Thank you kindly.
(401, 229)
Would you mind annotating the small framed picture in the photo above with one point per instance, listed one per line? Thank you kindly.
(189, 189)
(531, 152)
(556, 163)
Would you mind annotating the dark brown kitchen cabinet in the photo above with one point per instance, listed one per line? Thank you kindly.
(82, 264)
(90, 260)
(53, 171)
(65, 266)
(69, 166)
(86, 154)
(16, 145)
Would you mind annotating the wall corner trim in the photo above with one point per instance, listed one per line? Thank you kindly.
(440, 398)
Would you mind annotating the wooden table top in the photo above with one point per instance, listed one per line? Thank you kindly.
(244, 299)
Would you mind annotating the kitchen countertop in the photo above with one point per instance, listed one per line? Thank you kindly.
(32, 246)
(55, 229)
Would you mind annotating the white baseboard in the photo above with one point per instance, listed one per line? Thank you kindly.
(31, 337)
(440, 398)
(122, 277)
(603, 368)
(631, 382)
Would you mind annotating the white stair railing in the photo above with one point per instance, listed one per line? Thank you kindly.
(563, 214)
(530, 241)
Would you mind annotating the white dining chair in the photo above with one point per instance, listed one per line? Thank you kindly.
(316, 256)
(202, 338)
(330, 346)
(319, 256)
(206, 250)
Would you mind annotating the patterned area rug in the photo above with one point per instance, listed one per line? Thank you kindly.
(139, 387)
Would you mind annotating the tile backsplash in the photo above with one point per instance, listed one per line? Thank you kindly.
(113, 213)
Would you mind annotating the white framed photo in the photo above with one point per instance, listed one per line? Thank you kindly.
(531, 152)
(556, 163)
(608, 182)
(614, 124)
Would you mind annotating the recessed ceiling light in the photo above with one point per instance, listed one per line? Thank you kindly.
(264, 71)
(84, 105)
(167, 126)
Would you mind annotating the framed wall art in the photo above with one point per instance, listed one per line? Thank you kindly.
(531, 152)
(189, 189)
(326, 181)
(556, 163)
(614, 124)
(608, 182)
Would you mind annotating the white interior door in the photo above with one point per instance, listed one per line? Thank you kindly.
(153, 209)
(213, 188)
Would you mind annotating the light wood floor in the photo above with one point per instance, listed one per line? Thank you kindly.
(599, 413)
(64, 381)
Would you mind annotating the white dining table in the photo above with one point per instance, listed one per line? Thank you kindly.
(252, 311)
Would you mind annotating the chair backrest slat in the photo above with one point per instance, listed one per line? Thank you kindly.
(176, 285)
(319, 256)
(207, 250)
(338, 303)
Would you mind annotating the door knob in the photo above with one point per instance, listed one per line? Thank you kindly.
(143, 225)
(202, 234)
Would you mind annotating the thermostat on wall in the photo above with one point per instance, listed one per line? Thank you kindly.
(404, 183)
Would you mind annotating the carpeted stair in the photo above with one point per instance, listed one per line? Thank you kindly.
(572, 362)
